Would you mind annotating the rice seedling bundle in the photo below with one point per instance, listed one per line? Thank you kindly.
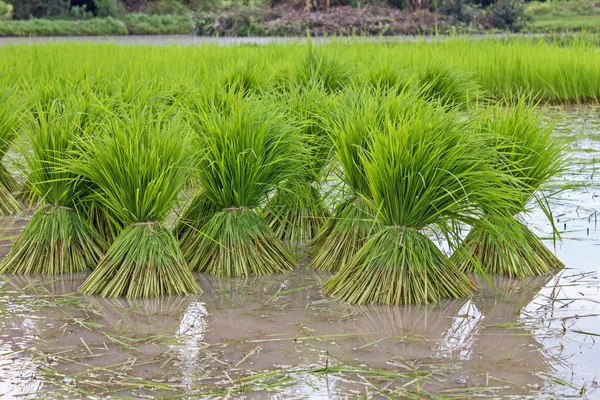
(425, 173)
(8, 133)
(297, 211)
(58, 238)
(355, 116)
(139, 163)
(249, 148)
(528, 150)
(448, 86)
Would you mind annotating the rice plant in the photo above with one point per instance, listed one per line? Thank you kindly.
(249, 148)
(449, 86)
(9, 120)
(423, 174)
(528, 150)
(139, 163)
(316, 69)
(58, 239)
(297, 211)
(356, 114)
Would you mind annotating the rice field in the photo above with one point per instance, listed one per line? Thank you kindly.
(339, 219)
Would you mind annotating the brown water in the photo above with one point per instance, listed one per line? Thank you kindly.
(278, 337)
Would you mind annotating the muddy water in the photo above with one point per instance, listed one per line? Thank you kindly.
(278, 337)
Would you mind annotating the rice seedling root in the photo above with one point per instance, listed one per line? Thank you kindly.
(238, 242)
(518, 255)
(56, 240)
(398, 265)
(144, 261)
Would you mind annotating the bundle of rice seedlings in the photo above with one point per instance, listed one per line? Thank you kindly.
(356, 115)
(297, 211)
(449, 86)
(139, 163)
(388, 77)
(527, 150)
(249, 148)
(8, 133)
(317, 69)
(58, 238)
(244, 78)
(423, 172)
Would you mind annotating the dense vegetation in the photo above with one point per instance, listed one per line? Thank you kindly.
(146, 164)
(288, 18)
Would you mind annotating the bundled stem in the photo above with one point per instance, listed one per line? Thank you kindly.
(398, 266)
(527, 151)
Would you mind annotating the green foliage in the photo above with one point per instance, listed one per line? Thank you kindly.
(448, 86)
(3, 9)
(26, 9)
(509, 15)
(57, 239)
(424, 173)
(249, 147)
(527, 150)
(139, 162)
(144, 261)
(143, 24)
(167, 7)
(9, 125)
(43, 27)
(109, 8)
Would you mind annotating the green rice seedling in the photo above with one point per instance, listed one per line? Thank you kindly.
(8, 133)
(530, 152)
(449, 86)
(245, 78)
(249, 148)
(139, 164)
(58, 239)
(424, 174)
(297, 211)
(357, 113)
(317, 69)
(388, 77)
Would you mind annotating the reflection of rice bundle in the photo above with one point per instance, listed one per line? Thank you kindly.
(392, 330)
(53, 285)
(501, 342)
(144, 316)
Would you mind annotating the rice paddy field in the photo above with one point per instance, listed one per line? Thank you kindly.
(341, 219)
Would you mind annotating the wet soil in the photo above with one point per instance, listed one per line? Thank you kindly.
(278, 337)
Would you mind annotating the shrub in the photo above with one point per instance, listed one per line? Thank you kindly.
(167, 7)
(109, 8)
(25, 9)
(3, 9)
(143, 24)
(40, 27)
(508, 14)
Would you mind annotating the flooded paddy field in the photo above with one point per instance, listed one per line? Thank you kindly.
(278, 337)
